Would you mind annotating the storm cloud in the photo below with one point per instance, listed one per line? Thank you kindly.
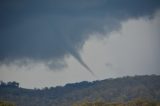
(49, 30)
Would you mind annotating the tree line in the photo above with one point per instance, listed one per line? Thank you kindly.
(12, 84)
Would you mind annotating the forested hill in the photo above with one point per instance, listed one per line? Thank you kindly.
(111, 90)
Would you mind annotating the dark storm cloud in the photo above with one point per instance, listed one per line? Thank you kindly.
(46, 30)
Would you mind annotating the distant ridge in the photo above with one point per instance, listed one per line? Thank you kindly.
(112, 90)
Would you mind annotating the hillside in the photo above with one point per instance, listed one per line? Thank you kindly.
(110, 90)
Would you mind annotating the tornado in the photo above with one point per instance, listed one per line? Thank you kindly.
(77, 56)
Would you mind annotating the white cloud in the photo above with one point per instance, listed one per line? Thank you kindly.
(132, 50)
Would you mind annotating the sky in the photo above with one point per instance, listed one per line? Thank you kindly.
(50, 43)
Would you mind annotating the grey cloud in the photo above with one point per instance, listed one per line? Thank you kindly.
(50, 30)
(110, 65)
(56, 64)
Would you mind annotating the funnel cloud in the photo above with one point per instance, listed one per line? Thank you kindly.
(79, 59)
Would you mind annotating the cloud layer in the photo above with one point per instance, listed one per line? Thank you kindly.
(50, 30)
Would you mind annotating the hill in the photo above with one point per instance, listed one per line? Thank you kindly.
(110, 90)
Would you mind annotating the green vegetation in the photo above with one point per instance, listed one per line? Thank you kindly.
(119, 90)
(4, 103)
(136, 102)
